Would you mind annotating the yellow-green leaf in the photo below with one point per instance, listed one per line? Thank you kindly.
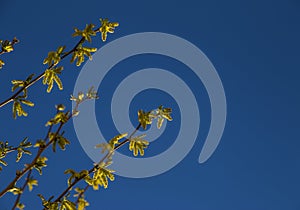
(138, 144)
(32, 182)
(107, 27)
(1, 63)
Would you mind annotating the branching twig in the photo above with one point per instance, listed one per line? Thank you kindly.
(96, 165)
(22, 189)
(28, 167)
(10, 99)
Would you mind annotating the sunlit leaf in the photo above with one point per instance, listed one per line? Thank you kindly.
(67, 205)
(165, 113)
(17, 108)
(60, 107)
(60, 117)
(115, 140)
(3, 162)
(85, 33)
(40, 163)
(75, 175)
(40, 143)
(48, 204)
(53, 57)
(1, 63)
(19, 155)
(51, 76)
(15, 191)
(20, 206)
(7, 46)
(144, 118)
(138, 144)
(32, 182)
(58, 139)
(82, 203)
(101, 176)
(80, 52)
(27, 102)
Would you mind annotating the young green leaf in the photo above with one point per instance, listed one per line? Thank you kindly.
(58, 139)
(82, 203)
(67, 205)
(20, 206)
(80, 52)
(101, 176)
(40, 163)
(19, 155)
(27, 102)
(144, 118)
(60, 117)
(32, 182)
(138, 144)
(1, 64)
(53, 57)
(115, 140)
(107, 27)
(7, 46)
(15, 191)
(51, 76)
(86, 33)
(18, 109)
(40, 143)
(3, 162)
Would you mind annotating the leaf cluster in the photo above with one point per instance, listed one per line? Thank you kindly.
(51, 76)
(138, 145)
(80, 52)
(54, 57)
(107, 27)
(65, 204)
(40, 163)
(60, 117)
(8, 46)
(100, 177)
(85, 33)
(22, 149)
(161, 113)
(59, 140)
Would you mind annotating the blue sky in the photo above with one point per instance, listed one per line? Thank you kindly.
(254, 46)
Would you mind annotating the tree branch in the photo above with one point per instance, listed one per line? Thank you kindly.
(97, 165)
(20, 174)
(10, 99)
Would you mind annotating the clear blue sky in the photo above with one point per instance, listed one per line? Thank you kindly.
(254, 46)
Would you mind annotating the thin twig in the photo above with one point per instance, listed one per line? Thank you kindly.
(22, 189)
(80, 195)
